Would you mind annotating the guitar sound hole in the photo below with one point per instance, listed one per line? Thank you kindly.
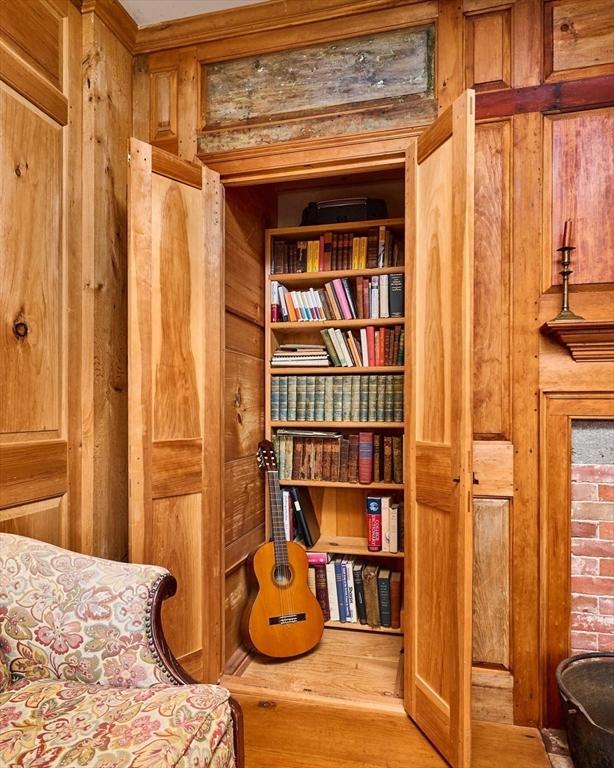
(282, 574)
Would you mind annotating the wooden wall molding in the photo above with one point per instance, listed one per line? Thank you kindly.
(117, 19)
(281, 16)
(587, 93)
(32, 471)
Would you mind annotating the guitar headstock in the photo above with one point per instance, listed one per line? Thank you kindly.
(266, 456)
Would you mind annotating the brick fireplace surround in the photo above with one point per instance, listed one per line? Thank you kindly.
(592, 531)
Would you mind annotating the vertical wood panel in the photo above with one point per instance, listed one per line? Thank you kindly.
(488, 54)
(491, 378)
(579, 157)
(31, 268)
(526, 236)
(491, 587)
(163, 109)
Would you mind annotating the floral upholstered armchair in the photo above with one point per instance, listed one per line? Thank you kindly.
(86, 677)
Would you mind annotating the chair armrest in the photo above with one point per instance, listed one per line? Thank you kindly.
(78, 617)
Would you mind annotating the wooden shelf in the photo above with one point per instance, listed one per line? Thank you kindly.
(309, 325)
(300, 233)
(366, 425)
(585, 340)
(382, 486)
(348, 545)
(299, 278)
(361, 627)
(335, 370)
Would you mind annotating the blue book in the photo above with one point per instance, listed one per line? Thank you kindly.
(346, 591)
(339, 571)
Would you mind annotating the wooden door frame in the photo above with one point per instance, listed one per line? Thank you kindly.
(557, 412)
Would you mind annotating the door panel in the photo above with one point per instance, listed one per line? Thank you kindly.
(171, 232)
(439, 247)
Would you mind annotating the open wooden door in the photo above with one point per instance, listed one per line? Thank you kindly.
(439, 256)
(175, 311)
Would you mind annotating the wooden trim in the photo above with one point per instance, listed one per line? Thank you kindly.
(213, 428)
(586, 93)
(174, 168)
(117, 19)
(32, 471)
(585, 340)
(493, 469)
(558, 410)
(19, 75)
(281, 17)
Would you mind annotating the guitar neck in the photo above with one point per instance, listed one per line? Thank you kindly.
(277, 518)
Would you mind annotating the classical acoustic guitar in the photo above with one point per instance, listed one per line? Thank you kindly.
(283, 618)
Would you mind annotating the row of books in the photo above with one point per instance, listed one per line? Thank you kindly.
(363, 397)
(379, 296)
(365, 457)
(375, 346)
(352, 591)
(338, 250)
(385, 521)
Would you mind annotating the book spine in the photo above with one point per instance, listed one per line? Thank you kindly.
(364, 398)
(319, 398)
(388, 399)
(311, 580)
(340, 594)
(397, 459)
(345, 592)
(396, 294)
(381, 394)
(346, 407)
(283, 398)
(383, 296)
(331, 586)
(275, 398)
(353, 459)
(310, 399)
(301, 397)
(374, 523)
(330, 347)
(337, 398)
(359, 591)
(328, 398)
(365, 457)
(355, 408)
(393, 527)
(385, 507)
(397, 397)
(322, 590)
(395, 601)
(387, 474)
(383, 590)
(374, 297)
(292, 398)
(377, 453)
(372, 412)
(343, 459)
(349, 574)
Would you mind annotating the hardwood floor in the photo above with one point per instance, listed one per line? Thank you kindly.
(285, 731)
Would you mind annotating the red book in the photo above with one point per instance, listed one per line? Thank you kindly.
(371, 344)
(382, 347)
(365, 457)
(374, 523)
(366, 306)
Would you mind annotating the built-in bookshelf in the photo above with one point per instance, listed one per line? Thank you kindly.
(340, 504)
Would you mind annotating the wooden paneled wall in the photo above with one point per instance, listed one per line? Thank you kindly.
(248, 213)
(66, 117)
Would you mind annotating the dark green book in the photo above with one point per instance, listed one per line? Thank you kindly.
(383, 591)
(337, 398)
(355, 409)
(319, 397)
(381, 394)
(328, 398)
(301, 397)
(275, 398)
(388, 400)
(397, 398)
(283, 398)
(310, 399)
(364, 397)
(372, 413)
(346, 409)
(292, 398)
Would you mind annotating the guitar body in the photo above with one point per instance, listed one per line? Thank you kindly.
(284, 619)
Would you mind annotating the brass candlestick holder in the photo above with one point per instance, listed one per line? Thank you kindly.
(566, 250)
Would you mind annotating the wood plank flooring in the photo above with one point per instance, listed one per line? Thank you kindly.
(285, 731)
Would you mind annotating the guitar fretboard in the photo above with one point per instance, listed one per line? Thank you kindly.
(277, 519)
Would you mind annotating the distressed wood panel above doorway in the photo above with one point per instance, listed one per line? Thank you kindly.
(366, 83)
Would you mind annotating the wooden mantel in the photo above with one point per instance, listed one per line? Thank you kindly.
(586, 340)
